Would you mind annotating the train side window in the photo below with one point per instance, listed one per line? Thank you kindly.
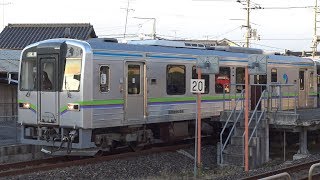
(274, 75)
(240, 79)
(311, 79)
(223, 80)
(205, 77)
(104, 79)
(134, 79)
(176, 79)
(301, 80)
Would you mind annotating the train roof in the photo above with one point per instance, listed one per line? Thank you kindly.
(99, 44)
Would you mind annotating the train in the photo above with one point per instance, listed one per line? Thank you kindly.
(85, 97)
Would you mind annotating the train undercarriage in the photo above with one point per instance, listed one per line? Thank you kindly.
(90, 142)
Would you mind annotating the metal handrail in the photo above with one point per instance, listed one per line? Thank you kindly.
(223, 145)
(257, 120)
(280, 96)
(256, 108)
(229, 94)
(277, 176)
(255, 127)
(311, 170)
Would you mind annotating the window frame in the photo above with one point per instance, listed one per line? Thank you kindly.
(301, 80)
(22, 73)
(239, 84)
(108, 78)
(167, 78)
(215, 80)
(311, 79)
(64, 76)
(140, 80)
(274, 74)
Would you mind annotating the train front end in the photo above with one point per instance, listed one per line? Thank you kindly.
(50, 94)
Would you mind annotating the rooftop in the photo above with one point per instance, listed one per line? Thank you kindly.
(18, 36)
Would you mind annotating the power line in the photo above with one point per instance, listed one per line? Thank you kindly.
(115, 27)
(227, 32)
(268, 46)
(289, 7)
(302, 39)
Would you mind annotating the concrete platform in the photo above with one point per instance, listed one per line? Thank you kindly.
(309, 118)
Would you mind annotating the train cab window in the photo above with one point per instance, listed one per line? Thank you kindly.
(104, 79)
(72, 73)
(176, 79)
(205, 77)
(47, 76)
(28, 75)
(240, 79)
(274, 75)
(301, 80)
(222, 80)
(134, 79)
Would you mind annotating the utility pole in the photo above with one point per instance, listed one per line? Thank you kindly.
(248, 25)
(153, 27)
(248, 33)
(127, 12)
(4, 4)
(315, 37)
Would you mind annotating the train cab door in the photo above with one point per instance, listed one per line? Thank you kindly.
(135, 92)
(302, 89)
(48, 94)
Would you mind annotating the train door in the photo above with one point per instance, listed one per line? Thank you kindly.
(48, 94)
(302, 89)
(257, 88)
(135, 92)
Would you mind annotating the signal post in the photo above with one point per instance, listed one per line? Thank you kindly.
(205, 65)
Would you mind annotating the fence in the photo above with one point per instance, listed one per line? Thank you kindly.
(281, 97)
(9, 129)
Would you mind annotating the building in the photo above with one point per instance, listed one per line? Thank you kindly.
(212, 43)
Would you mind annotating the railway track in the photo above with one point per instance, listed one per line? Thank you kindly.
(62, 162)
(301, 169)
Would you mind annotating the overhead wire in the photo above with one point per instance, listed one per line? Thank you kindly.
(227, 32)
(290, 7)
(268, 46)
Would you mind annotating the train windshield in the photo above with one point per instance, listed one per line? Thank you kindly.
(72, 72)
(47, 66)
(28, 75)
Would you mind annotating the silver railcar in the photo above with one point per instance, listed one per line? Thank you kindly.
(96, 95)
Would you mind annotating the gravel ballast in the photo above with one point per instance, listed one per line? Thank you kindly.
(154, 166)
(166, 165)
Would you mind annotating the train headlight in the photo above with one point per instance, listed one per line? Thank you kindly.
(24, 105)
(73, 107)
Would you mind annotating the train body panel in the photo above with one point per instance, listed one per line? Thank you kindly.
(104, 92)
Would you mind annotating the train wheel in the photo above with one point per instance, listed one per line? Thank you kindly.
(98, 154)
(136, 147)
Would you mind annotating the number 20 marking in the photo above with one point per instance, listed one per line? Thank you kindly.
(197, 86)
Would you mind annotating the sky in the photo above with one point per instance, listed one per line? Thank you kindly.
(279, 29)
